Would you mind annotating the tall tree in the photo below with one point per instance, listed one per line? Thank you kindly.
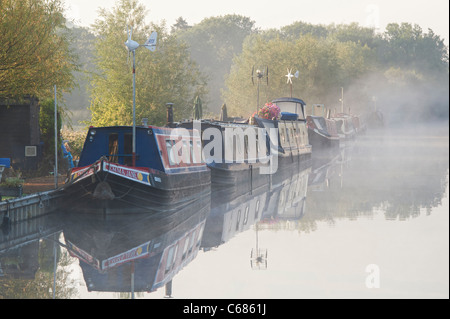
(407, 46)
(324, 66)
(34, 50)
(213, 43)
(180, 24)
(165, 75)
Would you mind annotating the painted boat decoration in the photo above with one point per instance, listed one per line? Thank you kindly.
(168, 169)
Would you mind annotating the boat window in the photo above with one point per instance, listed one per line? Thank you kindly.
(193, 155)
(257, 209)
(170, 152)
(185, 249)
(282, 133)
(199, 235)
(287, 106)
(191, 242)
(238, 220)
(113, 148)
(128, 149)
(186, 153)
(298, 130)
(231, 219)
(247, 209)
(199, 152)
(239, 155)
(171, 257)
(246, 146)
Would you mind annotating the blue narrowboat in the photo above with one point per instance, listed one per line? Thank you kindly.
(167, 168)
(294, 142)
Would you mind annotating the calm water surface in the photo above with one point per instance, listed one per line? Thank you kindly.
(369, 222)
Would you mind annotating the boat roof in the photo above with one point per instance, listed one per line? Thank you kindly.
(129, 127)
(289, 99)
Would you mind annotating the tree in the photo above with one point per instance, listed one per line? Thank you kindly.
(34, 50)
(180, 24)
(165, 75)
(353, 32)
(77, 101)
(213, 43)
(324, 66)
(299, 28)
(47, 132)
(407, 46)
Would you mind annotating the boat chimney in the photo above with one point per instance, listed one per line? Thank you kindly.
(169, 113)
(145, 121)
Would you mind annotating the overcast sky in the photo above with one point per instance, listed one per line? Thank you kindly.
(432, 14)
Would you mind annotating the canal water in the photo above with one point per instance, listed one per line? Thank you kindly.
(370, 221)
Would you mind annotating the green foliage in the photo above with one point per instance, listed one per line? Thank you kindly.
(47, 126)
(406, 46)
(75, 140)
(77, 101)
(399, 69)
(34, 50)
(165, 75)
(213, 43)
(12, 182)
(323, 66)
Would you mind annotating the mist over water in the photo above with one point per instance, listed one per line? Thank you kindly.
(379, 207)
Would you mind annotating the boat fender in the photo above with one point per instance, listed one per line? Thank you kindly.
(103, 191)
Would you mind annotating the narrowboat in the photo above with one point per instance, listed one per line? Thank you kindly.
(166, 169)
(253, 149)
(321, 134)
(345, 127)
(322, 130)
(293, 133)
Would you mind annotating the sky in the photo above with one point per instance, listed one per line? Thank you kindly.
(433, 14)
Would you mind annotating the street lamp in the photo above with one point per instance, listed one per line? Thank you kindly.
(259, 75)
(132, 46)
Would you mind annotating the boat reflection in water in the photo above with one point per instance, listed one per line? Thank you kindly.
(138, 252)
(238, 208)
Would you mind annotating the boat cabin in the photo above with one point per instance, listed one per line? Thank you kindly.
(156, 147)
(291, 105)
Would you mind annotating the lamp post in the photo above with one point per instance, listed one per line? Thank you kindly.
(259, 75)
(132, 46)
(55, 173)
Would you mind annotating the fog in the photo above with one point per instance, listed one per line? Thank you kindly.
(402, 101)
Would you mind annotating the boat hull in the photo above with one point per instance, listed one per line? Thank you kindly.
(245, 177)
(116, 188)
(322, 143)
